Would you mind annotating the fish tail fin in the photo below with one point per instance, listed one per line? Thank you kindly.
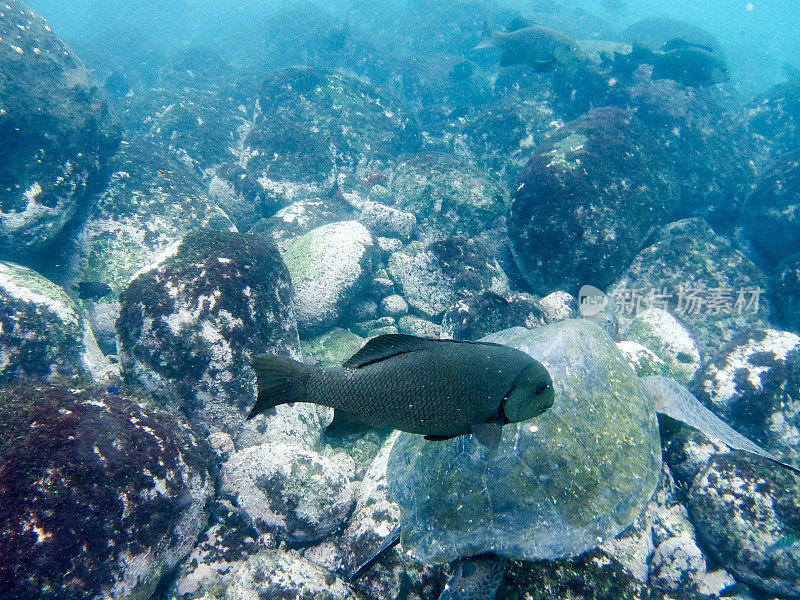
(488, 40)
(280, 380)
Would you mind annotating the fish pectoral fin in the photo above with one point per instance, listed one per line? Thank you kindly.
(439, 438)
(489, 434)
(345, 423)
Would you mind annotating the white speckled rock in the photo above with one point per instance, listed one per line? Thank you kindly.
(295, 494)
(558, 306)
(386, 221)
(286, 575)
(754, 384)
(677, 564)
(394, 306)
(659, 331)
(327, 265)
(438, 275)
(42, 332)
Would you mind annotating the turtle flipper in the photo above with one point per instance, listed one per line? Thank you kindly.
(390, 542)
(475, 578)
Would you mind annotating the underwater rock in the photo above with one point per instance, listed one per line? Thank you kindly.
(386, 221)
(661, 332)
(329, 265)
(586, 200)
(555, 487)
(773, 119)
(300, 217)
(394, 306)
(202, 129)
(784, 292)
(771, 216)
(438, 275)
(219, 551)
(286, 575)
(334, 347)
(754, 384)
(708, 286)
(478, 315)
(150, 201)
(558, 306)
(57, 134)
(657, 31)
(746, 511)
(421, 327)
(109, 495)
(190, 324)
(448, 196)
(294, 494)
(43, 334)
(642, 360)
(315, 125)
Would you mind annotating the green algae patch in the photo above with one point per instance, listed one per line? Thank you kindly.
(558, 485)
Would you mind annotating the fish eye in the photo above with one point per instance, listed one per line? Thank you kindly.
(543, 388)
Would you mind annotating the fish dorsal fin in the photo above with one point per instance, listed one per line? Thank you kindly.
(393, 344)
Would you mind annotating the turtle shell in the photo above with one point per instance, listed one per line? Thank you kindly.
(559, 484)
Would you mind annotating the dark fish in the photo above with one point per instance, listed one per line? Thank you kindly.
(92, 290)
(437, 388)
(540, 47)
(691, 64)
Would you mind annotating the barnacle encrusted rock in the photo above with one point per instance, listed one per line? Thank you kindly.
(56, 127)
(42, 332)
(101, 495)
(190, 324)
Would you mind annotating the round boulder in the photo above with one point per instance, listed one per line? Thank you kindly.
(42, 332)
(328, 265)
(108, 495)
(754, 384)
(587, 200)
(190, 324)
(56, 128)
(295, 494)
(746, 511)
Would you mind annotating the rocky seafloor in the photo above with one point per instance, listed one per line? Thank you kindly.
(326, 193)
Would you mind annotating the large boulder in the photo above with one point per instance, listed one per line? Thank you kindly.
(102, 496)
(711, 288)
(190, 324)
(291, 493)
(328, 266)
(587, 200)
(747, 514)
(56, 131)
(43, 334)
(434, 277)
(151, 200)
(771, 216)
(773, 119)
(753, 383)
(315, 124)
(784, 292)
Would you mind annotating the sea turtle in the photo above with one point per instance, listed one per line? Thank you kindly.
(558, 485)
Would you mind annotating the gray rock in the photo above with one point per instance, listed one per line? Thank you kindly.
(677, 565)
(437, 276)
(417, 326)
(754, 384)
(746, 512)
(109, 495)
(295, 494)
(298, 218)
(386, 221)
(587, 199)
(190, 325)
(58, 132)
(150, 202)
(43, 334)
(286, 575)
(784, 292)
(365, 310)
(481, 314)
(708, 286)
(394, 306)
(328, 266)
(558, 306)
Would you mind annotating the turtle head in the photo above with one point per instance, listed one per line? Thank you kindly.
(531, 394)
